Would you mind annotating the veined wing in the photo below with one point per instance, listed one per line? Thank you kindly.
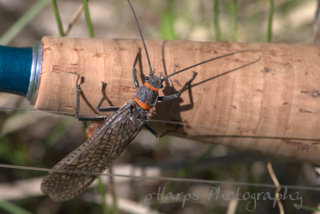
(95, 155)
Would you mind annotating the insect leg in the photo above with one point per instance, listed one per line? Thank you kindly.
(154, 132)
(104, 97)
(174, 96)
(80, 80)
(134, 70)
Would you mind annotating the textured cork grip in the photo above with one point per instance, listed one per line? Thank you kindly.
(269, 102)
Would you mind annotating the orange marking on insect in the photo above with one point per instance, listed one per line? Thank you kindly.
(143, 105)
(151, 87)
(92, 128)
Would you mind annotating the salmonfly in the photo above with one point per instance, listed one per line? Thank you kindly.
(80, 168)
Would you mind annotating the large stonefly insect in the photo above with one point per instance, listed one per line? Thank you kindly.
(74, 173)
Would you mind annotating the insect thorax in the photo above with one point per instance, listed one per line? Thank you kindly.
(147, 96)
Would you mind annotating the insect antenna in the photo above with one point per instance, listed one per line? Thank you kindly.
(142, 38)
(203, 62)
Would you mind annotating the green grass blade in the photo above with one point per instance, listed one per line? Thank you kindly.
(22, 22)
(167, 30)
(270, 19)
(88, 18)
(60, 128)
(102, 193)
(307, 208)
(115, 209)
(234, 14)
(216, 21)
(58, 18)
(12, 208)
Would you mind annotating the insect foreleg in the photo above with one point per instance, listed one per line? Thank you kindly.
(174, 96)
(134, 70)
(104, 97)
(80, 80)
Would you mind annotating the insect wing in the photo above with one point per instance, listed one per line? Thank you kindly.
(80, 168)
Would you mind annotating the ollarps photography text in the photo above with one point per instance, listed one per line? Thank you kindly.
(162, 195)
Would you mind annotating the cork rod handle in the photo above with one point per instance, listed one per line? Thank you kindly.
(269, 103)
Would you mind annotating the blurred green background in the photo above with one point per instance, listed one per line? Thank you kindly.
(40, 139)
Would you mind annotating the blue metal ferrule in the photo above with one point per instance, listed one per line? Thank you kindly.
(20, 70)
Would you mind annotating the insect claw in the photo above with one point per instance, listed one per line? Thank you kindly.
(80, 80)
(104, 84)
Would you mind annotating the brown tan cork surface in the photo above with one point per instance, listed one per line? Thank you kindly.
(269, 103)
